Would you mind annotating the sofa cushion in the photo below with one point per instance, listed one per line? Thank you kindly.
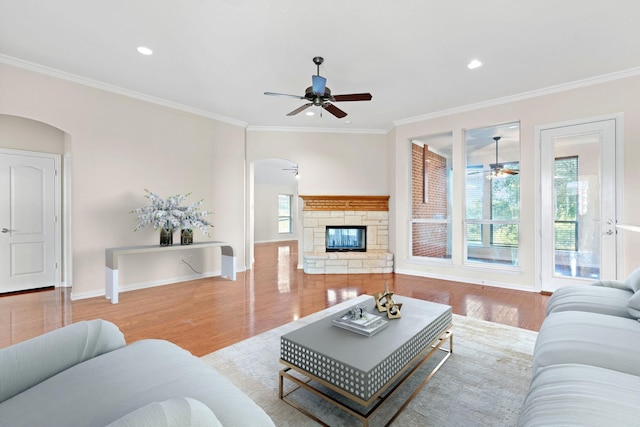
(590, 339)
(633, 306)
(595, 299)
(580, 395)
(28, 363)
(179, 412)
(108, 387)
(633, 280)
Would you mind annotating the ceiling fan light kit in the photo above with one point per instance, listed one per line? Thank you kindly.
(319, 95)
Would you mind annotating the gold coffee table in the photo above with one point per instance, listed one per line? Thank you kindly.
(323, 358)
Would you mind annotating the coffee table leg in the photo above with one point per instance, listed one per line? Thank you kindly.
(437, 347)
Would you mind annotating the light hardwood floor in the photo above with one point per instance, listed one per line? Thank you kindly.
(208, 314)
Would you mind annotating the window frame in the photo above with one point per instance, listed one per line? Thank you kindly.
(285, 218)
(484, 252)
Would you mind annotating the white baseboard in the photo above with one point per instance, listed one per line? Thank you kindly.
(277, 240)
(144, 285)
(467, 280)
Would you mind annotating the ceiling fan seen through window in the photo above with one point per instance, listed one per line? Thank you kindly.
(497, 170)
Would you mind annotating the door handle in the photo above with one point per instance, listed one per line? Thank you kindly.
(6, 230)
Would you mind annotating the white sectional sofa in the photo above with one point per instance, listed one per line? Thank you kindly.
(85, 375)
(604, 296)
(586, 369)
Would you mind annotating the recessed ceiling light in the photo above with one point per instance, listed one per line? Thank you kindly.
(348, 122)
(145, 50)
(474, 64)
(310, 113)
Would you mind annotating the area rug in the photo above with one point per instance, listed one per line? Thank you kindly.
(483, 383)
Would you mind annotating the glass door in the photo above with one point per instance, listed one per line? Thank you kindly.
(578, 201)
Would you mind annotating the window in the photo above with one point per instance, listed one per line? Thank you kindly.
(505, 205)
(431, 184)
(492, 199)
(285, 218)
(566, 200)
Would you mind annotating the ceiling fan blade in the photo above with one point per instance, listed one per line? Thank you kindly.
(299, 109)
(510, 171)
(319, 83)
(352, 97)
(334, 110)
(284, 94)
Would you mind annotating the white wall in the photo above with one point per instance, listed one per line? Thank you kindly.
(23, 134)
(610, 98)
(329, 163)
(266, 212)
(119, 146)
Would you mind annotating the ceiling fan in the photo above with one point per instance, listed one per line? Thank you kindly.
(319, 95)
(497, 170)
(294, 170)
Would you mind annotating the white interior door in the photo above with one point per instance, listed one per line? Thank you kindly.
(578, 204)
(29, 237)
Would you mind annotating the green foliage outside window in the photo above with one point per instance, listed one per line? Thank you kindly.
(505, 205)
(566, 203)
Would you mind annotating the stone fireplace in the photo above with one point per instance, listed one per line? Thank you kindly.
(370, 213)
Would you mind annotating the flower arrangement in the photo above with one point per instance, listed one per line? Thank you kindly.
(168, 214)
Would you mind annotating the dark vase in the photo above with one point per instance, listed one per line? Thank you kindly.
(166, 236)
(186, 236)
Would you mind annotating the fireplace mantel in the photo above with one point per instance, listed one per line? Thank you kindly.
(345, 203)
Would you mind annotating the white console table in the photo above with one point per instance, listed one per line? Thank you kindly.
(112, 254)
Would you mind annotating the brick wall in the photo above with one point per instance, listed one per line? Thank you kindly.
(429, 240)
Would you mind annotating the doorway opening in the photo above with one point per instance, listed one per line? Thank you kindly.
(275, 208)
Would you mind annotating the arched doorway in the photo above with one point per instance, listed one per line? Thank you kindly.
(274, 208)
(41, 153)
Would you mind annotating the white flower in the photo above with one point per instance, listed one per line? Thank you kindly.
(167, 213)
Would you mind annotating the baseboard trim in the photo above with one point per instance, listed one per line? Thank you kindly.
(466, 280)
(144, 285)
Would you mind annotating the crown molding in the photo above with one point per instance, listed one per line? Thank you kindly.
(632, 72)
(314, 130)
(115, 89)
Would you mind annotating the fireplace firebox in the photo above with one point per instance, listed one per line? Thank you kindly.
(346, 238)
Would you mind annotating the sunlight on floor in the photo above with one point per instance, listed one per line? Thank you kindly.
(284, 277)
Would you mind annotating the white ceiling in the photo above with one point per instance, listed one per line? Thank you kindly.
(219, 56)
